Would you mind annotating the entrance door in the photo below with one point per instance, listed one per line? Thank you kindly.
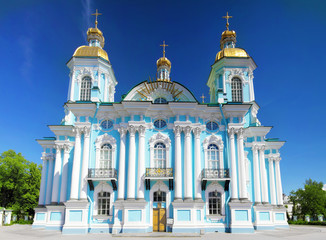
(159, 220)
(159, 213)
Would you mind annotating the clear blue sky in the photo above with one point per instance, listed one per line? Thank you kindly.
(285, 38)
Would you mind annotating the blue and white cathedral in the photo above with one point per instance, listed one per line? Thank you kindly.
(159, 160)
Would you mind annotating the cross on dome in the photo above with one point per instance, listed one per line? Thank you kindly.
(164, 45)
(96, 14)
(227, 20)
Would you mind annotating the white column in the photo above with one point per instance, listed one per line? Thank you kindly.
(131, 164)
(242, 166)
(41, 200)
(188, 164)
(84, 172)
(72, 86)
(234, 180)
(197, 180)
(272, 180)
(122, 164)
(141, 162)
(64, 178)
(75, 168)
(56, 175)
(177, 164)
(263, 175)
(49, 182)
(256, 175)
(278, 182)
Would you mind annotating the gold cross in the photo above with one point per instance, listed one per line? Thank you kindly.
(203, 98)
(96, 14)
(227, 20)
(164, 45)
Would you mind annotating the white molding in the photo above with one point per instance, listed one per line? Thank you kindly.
(106, 188)
(214, 186)
(217, 140)
(156, 138)
(103, 139)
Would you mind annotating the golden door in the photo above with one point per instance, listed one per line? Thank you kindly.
(159, 220)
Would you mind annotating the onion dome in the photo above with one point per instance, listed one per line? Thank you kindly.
(227, 44)
(95, 39)
(90, 51)
(163, 61)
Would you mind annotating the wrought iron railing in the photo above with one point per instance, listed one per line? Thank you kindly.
(102, 173)
(159, 172)
(215, 173)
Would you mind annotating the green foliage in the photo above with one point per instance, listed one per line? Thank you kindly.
(309, 201)
(301, 222)
(19, 182)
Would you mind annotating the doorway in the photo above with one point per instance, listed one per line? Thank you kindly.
(159, 211)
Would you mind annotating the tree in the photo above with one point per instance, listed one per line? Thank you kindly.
(309, 201)
(19, 182)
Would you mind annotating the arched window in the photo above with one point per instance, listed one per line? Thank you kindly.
(213, 156)
(236, 90)
(85, 89)
(103, 199)
(214, 203)
(159, 196)
(160, 100)
(106, 156)
(159, 155)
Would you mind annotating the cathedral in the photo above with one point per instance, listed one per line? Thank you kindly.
(159, 160)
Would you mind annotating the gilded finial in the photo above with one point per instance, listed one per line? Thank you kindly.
(164, 45)
(96, 14)
(227, 20)
(203, 98)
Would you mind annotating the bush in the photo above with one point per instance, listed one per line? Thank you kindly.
(301, 222)
(22, 221)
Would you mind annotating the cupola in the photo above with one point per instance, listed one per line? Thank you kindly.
(163, 66)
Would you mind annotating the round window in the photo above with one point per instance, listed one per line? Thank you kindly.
(211, 126)
(106, 124)
(160, 123)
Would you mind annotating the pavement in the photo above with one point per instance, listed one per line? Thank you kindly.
(297, 232)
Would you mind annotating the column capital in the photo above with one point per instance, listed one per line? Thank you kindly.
(132, 130)
(262, 147)
(231, 132)
(77, 131)
(197, 131)
(255, 147)
(177, 130)
(240, 132)
(58, 147)
(187, 130)
(122, 131)
(67, 148)
(141, 130)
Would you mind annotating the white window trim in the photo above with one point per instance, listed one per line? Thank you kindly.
(103, 139)
(212, 188)
(159, 138)
(217, 140)
(163, 188)
(106, 188)
(81, 80)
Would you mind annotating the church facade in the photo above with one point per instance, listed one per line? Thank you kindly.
(159, 160)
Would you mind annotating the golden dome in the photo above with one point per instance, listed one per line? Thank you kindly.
(88, 51)
(163, 61)
(231, 52)
(228, 33)
(94, 31)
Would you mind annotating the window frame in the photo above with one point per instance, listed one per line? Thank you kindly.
(215, 187)
(159, 162)
(236, 90)
(85, 94)
(213, 163)
(160, 138)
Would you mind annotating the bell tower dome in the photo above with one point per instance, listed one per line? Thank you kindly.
(231, 77)
(91, 75)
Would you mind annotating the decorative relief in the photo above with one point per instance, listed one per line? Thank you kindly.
(238, 72)
(105, 138)
(82, 72)
(213, 139)
(159, 137)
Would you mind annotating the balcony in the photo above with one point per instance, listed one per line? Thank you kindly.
(102, 174)
(208, 174)
(158, 174)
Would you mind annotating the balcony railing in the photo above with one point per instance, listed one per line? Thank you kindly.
(211, 174)
(102, 173)
(159, 173)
